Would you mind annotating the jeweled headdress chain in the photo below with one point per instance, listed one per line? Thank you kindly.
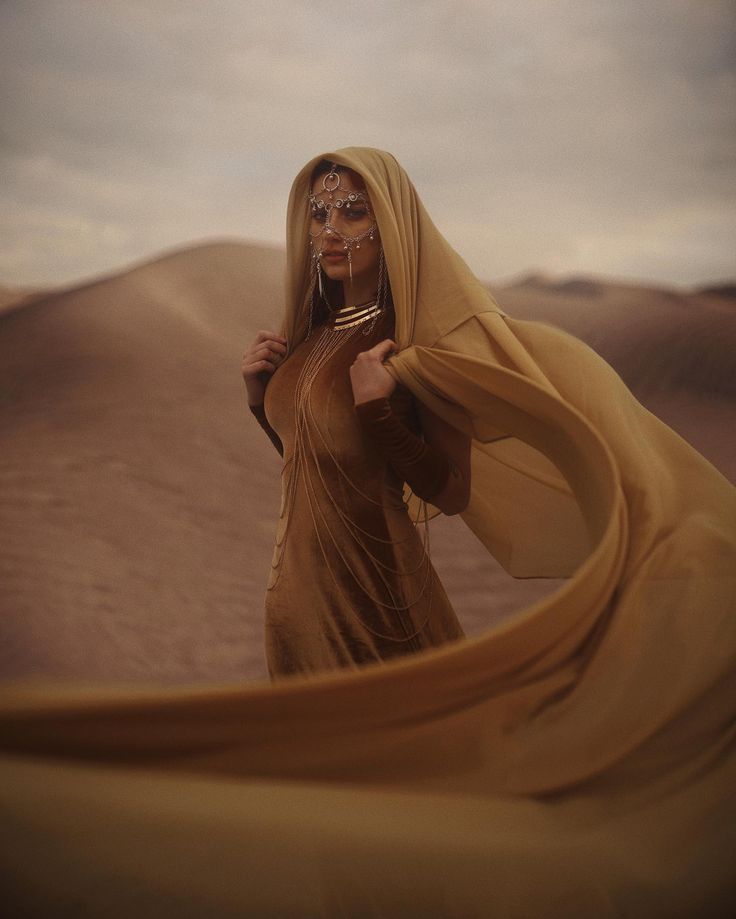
(337, 196)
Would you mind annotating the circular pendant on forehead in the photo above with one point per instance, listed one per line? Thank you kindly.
(331, 181)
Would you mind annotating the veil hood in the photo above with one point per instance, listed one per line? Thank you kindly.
(433, 289)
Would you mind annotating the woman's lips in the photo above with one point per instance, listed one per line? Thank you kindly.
(332, 256)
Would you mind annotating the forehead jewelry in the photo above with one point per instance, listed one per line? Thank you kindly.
(339, 197)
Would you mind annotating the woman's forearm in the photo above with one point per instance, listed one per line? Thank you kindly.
(429, 472)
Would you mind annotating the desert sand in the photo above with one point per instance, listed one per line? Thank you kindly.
(139, 497)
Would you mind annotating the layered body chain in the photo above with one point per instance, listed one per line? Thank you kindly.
(305, 466)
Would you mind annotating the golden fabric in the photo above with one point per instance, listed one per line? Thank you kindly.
(351, 582)
(574, 761)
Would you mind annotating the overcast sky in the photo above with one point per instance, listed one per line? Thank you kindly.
(587, 136)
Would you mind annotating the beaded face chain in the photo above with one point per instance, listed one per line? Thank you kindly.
(306, 466)
(334, 197)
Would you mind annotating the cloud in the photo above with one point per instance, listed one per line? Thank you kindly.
(583, 136)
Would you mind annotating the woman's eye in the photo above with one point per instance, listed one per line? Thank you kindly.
(356, 213)
(318, 215)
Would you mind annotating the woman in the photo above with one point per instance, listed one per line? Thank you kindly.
(351, 580)
(575, 760)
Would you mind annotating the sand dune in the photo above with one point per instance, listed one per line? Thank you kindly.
(12, 298)
(139, 498)
(658, 340)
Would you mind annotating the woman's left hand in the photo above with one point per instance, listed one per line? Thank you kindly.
(368, 377)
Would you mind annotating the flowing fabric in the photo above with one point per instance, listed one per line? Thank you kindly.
(576, 760)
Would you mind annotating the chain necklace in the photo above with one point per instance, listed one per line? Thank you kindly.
(305, 460)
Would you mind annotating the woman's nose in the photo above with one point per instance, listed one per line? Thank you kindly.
(335, 222)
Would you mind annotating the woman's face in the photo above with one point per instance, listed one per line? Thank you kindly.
(342, 223)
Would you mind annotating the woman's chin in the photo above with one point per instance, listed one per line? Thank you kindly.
(336, 271)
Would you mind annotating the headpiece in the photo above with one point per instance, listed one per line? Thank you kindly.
(346, 198)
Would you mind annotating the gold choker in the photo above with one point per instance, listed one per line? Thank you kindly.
(348, 316)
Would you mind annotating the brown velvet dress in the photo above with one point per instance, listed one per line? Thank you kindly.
(350, 581)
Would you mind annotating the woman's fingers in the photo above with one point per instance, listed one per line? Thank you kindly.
(377, 352)
(269, 340)
(383, 349)
(273, 351)
(269, 353)
(263, 354)
(266, 348)
(264, 335)
(253, 368)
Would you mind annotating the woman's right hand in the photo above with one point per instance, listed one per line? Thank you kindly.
(259, 362)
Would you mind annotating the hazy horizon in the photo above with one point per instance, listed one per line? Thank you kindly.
(551, 277)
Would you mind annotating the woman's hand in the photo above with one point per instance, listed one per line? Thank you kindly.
(259, 362)
(368, 377)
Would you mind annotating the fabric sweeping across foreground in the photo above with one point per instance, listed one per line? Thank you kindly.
(574, 761)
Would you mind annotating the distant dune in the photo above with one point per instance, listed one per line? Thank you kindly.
(139, 498)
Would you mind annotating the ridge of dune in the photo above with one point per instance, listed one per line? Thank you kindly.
(9, 295)
(185, 278)
(139, 498)
(658, 339)
(539, 280)
(198, 253)
(12, 298)
(727, 290)
(586, 285)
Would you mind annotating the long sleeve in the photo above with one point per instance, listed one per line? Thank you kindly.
(260, 415)
(423, 468)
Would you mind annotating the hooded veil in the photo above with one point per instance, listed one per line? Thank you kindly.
(576, 760)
